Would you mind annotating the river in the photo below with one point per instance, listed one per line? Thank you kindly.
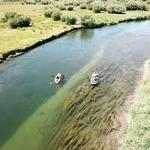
(27, 98)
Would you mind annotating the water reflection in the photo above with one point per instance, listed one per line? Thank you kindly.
(86, 35)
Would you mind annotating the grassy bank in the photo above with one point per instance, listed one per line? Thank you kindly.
(138, 135)
(43, 28)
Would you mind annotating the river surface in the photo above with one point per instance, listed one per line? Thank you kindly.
(25, 81)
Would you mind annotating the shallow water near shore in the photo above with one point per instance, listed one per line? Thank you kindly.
(117, 52)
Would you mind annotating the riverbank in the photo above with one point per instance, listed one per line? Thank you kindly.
(18, 41)
(138, 134)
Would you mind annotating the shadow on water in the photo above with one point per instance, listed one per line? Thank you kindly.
(80, 116)
(83, 34)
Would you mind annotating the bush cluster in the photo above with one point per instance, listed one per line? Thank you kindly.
(69, 20)
(97, 8)
(63, 18)
(88, 22)
(32, 2)
(8, 16)
(118, 9)
(16, 20)
(67, 3)
(70, 8)
(136, 5)
(55, 15)
(65, 6)
(48, 13)
(76, 3)
(61, 7)
(89, 6)
(20, 21)
(83, 6)
(44, 2)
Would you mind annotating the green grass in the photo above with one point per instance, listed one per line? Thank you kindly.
(138, 135)
(43, 28)
(18, 38)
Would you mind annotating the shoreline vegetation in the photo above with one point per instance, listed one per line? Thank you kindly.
(44, 29)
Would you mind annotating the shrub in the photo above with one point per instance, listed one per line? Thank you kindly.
(88, 22)
(20, 21)
(97, 8)
(83, 6)
(62, 7)
(44, 2)
(48, 13)
(66, 3)
(135, 5)
(70, 8)
(70, 20)
(33, 2)
(22, 3)
(56, 15)
(76, 3)
(63, 18)
(88, 1)
(118, 9)
(10, 15)
(131, 5)
(89, 6)
(3, 20)
(141, 6)
(70, 3)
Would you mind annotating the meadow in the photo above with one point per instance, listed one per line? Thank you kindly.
(42, 27)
